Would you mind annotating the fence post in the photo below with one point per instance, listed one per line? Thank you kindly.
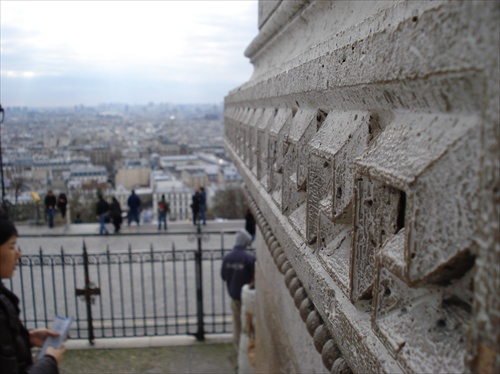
(87, 294)
(200, 334)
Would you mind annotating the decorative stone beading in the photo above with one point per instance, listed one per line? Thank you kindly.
(323, 343)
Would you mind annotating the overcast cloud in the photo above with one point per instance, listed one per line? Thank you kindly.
(87, 52)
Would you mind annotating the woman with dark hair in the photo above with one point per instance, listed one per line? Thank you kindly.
(62, 202)
(15, 340)
(115, 212)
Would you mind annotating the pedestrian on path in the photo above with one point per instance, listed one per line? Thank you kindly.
(50, 207)
(115, 213)
(238, 269)
(195, 206)
(250, 225)
(134, 203)
(163, 211)
(203, 204)
(62, 202)
(102, 213)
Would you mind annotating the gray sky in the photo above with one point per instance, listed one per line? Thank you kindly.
(87, 52)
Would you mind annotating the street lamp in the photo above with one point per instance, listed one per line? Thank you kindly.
(4, 202)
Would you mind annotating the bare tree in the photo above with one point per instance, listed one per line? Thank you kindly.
(17, 183)
(228, 203)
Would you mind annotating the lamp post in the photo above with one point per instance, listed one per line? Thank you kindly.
(4, 202)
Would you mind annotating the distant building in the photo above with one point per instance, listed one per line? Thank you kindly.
(229, 175)
(99, 155)
(195, 178)
(89, 174)
(170, 148)
(179, 197)
(133, 174)
(172, 162)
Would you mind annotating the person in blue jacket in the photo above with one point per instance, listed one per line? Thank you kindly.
(134, 203)
(238, 269)
(15, 340)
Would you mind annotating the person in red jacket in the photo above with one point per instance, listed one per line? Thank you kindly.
(15, 340)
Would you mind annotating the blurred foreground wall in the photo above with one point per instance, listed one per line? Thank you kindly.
(368, 139)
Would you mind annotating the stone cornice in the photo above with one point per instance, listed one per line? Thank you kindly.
(339, 316)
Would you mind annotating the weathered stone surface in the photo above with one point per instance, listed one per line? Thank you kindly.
(313, 321)
(330, 353)
(340, 367)
(285, 266)
(282, 339)
(262, 144)
(304, 125)
(377, 208)
(320, 337)
(294, 286)
(305, 308)
(277, 136)
(289, 275)
(299, 296)
(334, 250)
(280, 260)
(397, 241)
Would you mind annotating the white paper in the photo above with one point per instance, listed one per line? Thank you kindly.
(60, 325)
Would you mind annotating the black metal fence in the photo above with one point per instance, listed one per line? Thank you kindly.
(130, 293)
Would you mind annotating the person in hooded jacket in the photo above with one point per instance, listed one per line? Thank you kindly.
(238, 269)
(15, 340)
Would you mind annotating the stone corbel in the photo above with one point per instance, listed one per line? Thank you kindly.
(323, 341)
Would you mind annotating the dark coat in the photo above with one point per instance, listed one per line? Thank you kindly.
(15, 350)
(62, 201)
(102, 207)
(115, 211)
(134, 202)
(197, 201)
(50, 201)
(238, 268)
(250, 223)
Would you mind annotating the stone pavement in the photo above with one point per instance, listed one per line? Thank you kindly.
(177, 354)
(93, 228)
(71, 237)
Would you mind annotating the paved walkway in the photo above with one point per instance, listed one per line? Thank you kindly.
(32, 238)
(179, 354)
(151, 228)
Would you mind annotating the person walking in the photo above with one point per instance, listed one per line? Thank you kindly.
(163, 210)
(203, 204)
(134, 203)
(195, 205)
(16, 340)
(50, 207)
(102, 211)
(115, 213)
(62, 203)
(250, 225)
(238, 269)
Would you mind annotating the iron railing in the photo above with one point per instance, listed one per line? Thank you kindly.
(126, 294)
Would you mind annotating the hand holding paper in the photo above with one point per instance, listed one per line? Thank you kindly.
(38, 336)
(57, 336)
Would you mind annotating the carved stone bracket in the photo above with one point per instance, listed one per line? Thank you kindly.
(322, 339)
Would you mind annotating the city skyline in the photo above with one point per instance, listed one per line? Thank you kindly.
(73, 53)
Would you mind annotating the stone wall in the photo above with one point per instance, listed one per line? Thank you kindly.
(369, 141)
